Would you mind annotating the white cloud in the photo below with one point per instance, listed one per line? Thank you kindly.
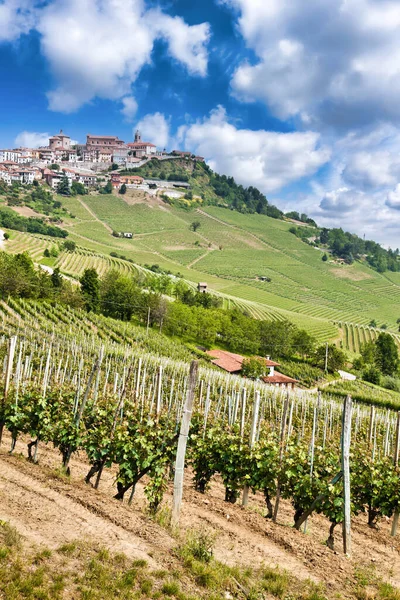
(265, 159)
(31, 139)
(155, 128)
(393, 198)
(186, 44)
(324, 61)
(341, 201)
(129, 107)
(96, 48)
(16, 17)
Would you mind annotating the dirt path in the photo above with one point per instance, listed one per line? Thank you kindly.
(96, 218)
(50, 517)
(51, 510)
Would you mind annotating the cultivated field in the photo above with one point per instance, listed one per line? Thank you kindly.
(232, 252)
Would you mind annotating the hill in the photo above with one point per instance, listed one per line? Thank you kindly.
(250, 260)
(233, 252)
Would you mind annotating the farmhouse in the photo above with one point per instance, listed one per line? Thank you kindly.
(202, 287)
(232, 363)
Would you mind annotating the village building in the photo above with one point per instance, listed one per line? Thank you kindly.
(12, 155)
(102, 141)
(202, 287)
(138, 148)
(233, 363)
(60, 142)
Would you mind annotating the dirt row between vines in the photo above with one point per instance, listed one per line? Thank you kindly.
(51, 510)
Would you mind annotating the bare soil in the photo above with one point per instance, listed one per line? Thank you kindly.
(26, 211)
(49, 509)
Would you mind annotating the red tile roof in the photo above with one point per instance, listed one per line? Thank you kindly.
(279, 378)
(232, 362)
(226, 360)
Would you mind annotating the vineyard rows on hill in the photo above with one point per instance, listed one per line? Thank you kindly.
(354, 336)
(95, 392)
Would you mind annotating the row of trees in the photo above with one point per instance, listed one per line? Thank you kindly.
(11, 220)
(192, 317)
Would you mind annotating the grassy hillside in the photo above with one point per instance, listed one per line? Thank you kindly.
(231, 252)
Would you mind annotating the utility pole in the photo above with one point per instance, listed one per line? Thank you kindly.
(148, 321)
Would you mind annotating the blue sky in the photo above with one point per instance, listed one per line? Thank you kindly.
(300, 100)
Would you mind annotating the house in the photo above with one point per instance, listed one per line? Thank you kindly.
(12, 155)
(202, 287)
(116, 181)
(120, 155)
(232, 363)
(131, 179)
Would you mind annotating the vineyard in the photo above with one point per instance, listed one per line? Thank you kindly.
(354, 336)
(90, 385)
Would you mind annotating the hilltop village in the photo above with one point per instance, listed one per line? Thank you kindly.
(82, 162)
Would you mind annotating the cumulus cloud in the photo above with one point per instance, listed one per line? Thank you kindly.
(186, 44)
(266, 159)
(341, 201)
(16, 17)
(31, 139)
(393, 198)
(323, 61)
(129, 107)
(97, 48)
(155, 128)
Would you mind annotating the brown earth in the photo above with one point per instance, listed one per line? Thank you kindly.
(26, 211)
(50, 509)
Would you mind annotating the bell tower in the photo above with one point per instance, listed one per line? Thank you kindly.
(138, 137)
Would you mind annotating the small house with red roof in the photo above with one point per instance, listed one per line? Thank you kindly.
(232, 363)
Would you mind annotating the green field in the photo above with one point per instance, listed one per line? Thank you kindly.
(231, 251)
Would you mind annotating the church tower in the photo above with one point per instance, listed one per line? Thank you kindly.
(138, 137)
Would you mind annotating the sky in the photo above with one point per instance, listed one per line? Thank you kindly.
(300, 99)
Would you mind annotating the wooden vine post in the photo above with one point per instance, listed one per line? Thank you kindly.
(346, 439)
(9, 366)
(182, 442)
(396, 462)
(282, 443)
(252, 439)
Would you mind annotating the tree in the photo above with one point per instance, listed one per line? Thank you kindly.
(325, 257)
(195, 225)
(78, 189)
(107, 189)
(63, 186)
(122, 189)
(372, 375)
(70, 246)
(303, 342)
(336, 358)
(114, 167)
(90, 288)
(56, 278)
(387, 355)
(373, 323)
(254, 367)
(6, 236)
(46, 253)
(54, 167)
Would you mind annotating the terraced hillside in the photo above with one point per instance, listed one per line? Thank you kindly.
(232, 252)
